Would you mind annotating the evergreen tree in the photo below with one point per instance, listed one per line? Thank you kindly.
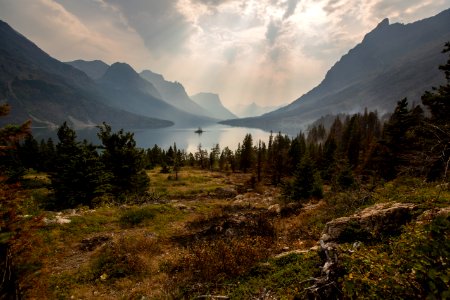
(437, 128)
(247, 153)
(306, 183)
(296, 151)
(123, 161)
(29, 153)
(78, 175)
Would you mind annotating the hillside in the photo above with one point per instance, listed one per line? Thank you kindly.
(49, 92)
(392, 62)
(173, 93)
(128, 91)
(211, 102)
(94, 69)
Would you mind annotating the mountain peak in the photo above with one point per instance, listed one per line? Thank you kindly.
(95, 69)
(383, 24)
(122, 67)
(121, 73)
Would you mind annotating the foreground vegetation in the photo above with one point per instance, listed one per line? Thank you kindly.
(239, 247)
(117, 222)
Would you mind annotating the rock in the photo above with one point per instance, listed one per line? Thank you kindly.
(225, 193)
(372, 222)
(433, 213)
(275, 208)
(239, 197)
(181, 206)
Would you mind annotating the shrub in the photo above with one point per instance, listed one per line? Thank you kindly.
(207, 263)
(124, 258)
(414, 265)
(136, 216)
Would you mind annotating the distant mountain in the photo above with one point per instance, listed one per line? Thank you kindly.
(392, 62)
(253, 110)
(49, 92)
(94, 69)
(129, 91)
(211, 102)
(173, 93)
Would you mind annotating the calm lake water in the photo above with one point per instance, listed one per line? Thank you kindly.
(185, 138)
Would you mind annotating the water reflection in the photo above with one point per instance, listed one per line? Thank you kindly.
(185, 138)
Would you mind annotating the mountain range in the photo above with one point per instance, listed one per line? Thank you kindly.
(392, 62)
(49, 92)
(211, 102)
(158, 88)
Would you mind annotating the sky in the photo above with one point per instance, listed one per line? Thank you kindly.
(265, 51)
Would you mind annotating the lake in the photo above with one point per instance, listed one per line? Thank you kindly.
(185, 138)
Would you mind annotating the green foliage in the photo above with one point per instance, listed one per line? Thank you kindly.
(123, 258)
(247, 153)
(123, 161)
(307, 182)
(79, 175)
(284, 278)
(414, 265)
(344, 178)
(136, 216)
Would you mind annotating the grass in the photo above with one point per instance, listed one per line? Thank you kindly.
(191, 183)
(143, 256)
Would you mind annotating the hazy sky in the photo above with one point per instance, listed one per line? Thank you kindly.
(267, 51)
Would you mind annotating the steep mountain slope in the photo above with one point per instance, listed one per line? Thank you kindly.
(49, 92)
(94, 69)
(128, 91)
(173, 93)
(211, 102)
(392, 62)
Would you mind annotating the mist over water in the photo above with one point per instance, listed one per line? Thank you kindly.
(185, 138)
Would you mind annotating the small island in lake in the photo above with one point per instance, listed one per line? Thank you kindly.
(199, 130)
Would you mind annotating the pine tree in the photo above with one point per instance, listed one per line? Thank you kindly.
(79, 175)
(124, 161)
(247, 153)
(437, 128)
(306, 183)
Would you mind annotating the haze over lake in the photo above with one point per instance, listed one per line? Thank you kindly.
(185, 138)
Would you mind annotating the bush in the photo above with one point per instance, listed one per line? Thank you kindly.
(414, 265)
(207, 263)
(124, 258)
(136, 216)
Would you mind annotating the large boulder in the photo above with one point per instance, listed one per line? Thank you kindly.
(372, 222)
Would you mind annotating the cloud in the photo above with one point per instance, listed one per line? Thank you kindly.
(273, 30)
(290, 10)
(268, 51)
(159, 23)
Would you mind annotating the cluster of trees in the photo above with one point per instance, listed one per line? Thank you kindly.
(81, 172)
